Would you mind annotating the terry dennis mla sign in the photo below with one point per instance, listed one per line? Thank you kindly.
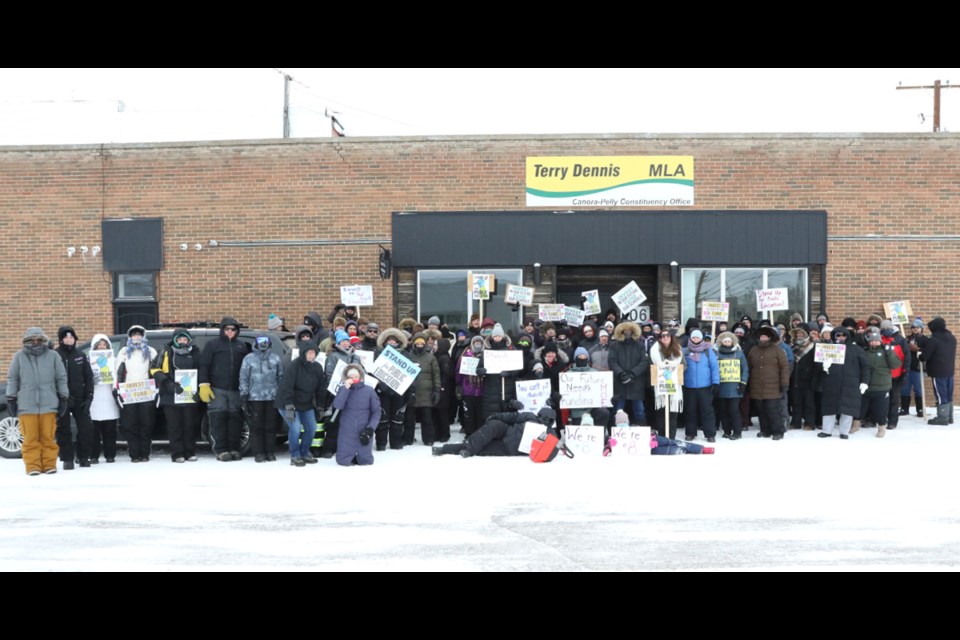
(610, 181)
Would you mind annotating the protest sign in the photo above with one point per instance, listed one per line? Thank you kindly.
(481, 284)
(366, 359)
(899, 312)
(592, 303)
(137, 392)
(832, 353)
(360, 295)
(518, 295)
(772, 299)
(495, 361)
(531, 431)
(666, 379)
(336, 378)
(552, 312)
(186, 378)
(574, 316)
(586, 389)
(468, 366)
(103, 364)
(629, 442)
(394, 370)
(729, 370)
(533, 394)
(629, 297)
(715, 311)
(584, 440)
(321, 357)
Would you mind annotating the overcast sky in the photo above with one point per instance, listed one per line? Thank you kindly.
(80, 106)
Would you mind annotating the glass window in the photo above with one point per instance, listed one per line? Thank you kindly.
(739, 287)
(699, 285)
(135, 285)
(795, 280)
(444, 293)
(740, 290)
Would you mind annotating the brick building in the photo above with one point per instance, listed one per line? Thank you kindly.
(846, 221)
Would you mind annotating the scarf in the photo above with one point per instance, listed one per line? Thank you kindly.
(35, 349)
(144, 348)
(696, 349)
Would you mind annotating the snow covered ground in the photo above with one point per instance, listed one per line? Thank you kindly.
(801, 504)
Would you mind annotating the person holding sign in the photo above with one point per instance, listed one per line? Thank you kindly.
(301, 391)
(137, 418)
(342, 351)
(500, 435)
(599, 415)
(260, 378)
(883, 362)
(104, 411)
(182, 418)
(668, 387)
(892, 338)
(393, 406)
(701, 384)
(219, 376)
(843, 385)
(631, 368)
(498, 387)
(359, 416)
(426, 393)
(769, 381)
(734, 374)
(470, 389)
(80, 384)
(448, 383)
(939, 356)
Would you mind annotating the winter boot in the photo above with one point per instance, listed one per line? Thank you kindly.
(448, 449)
(919, 402)
(881, 430)
(854, 427)
(942, 418)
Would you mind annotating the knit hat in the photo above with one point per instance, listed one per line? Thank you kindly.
(373, 326)
(918, 323)
(621, 418)
(696, 333)
(608, 326)
(355, 340)
(537, 366)
(861, 324)
(487, 322)
(872, 335)
(475, 340)
(580, 353)
(340, 336)
(460, 332)
(136, 329)
(63, 331)
(603, 332)
(434, 320)
(497, 331)
(274, 323)
(887, 324)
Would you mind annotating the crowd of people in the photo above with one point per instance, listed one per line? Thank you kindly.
(664, 375)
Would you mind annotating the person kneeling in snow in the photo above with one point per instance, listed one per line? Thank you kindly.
(500, 435)
(359, 415)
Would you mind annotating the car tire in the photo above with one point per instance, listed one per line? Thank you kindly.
(245, 446)
(11, 439)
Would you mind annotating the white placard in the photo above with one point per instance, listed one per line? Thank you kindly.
(103, 363)
(136, 392)
(899, 312)
(468, 365)
(481, 284)
(629, 442)
(574, 316)
(592, 303)
(321, 357)
(531, 431)
(584, 440)
(187, 378)
(366, 359)
(715, 311)
(336, 379)
(772, 299)
(551, 312)
(359, 295)
(497, 361)
(518, 295)
(629, 297)
(394, 370)
(832, 353)
(586, 389)
(533, 394)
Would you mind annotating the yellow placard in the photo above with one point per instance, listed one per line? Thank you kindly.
(730, 370)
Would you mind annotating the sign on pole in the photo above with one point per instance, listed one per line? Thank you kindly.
(552, 312)
(832, 353)
(394, 370)
(495, 361)
(715, 311)
(137, 392)
(592, 303)
(519, 295)
(186, 378)
(899, 312)
(629, 297)
(103, 364)
(533, 394)
(481, 284)
(360, 295)
(586, 389)
(772, 299)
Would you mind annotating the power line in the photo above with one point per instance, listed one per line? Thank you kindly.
(936, 86)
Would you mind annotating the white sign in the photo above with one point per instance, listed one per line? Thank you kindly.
(832, 353)
(584, 440)
(586, 389)
(715, 311)
(360, 295)
(629, 442)
(518, 295)
(136, 392)
(531, 431)
(574, 316)
(899, 312)
(103, 364)
(592, 303)
(552, 312)
(395, 371)
(496, 361)
(481, 285)
(468, 365)
(321, 357)
(336, 378)
(772, 299)
(186, 378)
(533, 394)
(629, 297)
(366, 359)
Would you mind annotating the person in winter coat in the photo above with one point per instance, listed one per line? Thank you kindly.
(314, 322)
(371, 334)
(36, 394)
(916, 342)
(843, 387)
(260, 377)
(393, 405)
(883, 361)
(668, 398)
(734, 374)
(701, 383)
(590, 338)
(804, 380)
(822, 319)
(183, 418)
(276, 323)
(500, 434)
(524, 343)
(599, 415)
(360, 413)
(219, 375)
(498, 388)
(600, 353)
(342, 310)
(341, 351)
(631, 370)
(891, 337)
(553, 364)
(448, 392)
(80, 384)
(470, 389)
(691, 324)
(137, 418)
(939, 356)
(300, 393)
(426, 394)
(769, 381)
(104, 411)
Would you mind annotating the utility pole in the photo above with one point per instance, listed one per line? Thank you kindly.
(936, 99)
(286, 105)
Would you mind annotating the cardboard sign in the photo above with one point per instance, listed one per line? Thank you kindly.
(187, 378)
(552, 312)
(336, 378)
(898, 312)
(729, 370)
(629, 442)
(103, 364)
(666, 380)
(586, 389)
(584, 440)
(629, 297)
(360, 295)
(531, 431)
(574, 316)
(832, 353)
(395, 371)
(481, 284)
(137, 392)
(495, 361)
(715, 311)
(772, 299)
(592, 303)
(519, 295)
(468, 365)
(533, 394)
(366, 359)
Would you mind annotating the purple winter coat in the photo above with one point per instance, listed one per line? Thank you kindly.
(359, 408)
(471, 385)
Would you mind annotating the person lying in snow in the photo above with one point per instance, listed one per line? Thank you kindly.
(500, 435)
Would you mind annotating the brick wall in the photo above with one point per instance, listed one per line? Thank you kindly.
(342, 189)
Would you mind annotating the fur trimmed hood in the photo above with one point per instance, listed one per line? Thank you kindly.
(399, 335)
(622, 327)
(725, 335)
(772, 333)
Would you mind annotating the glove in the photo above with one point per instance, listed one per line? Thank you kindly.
(538, 371)
(12, 405)
(64, 405)
(481, 371)
(826, 366)
(116, 397)
(434, 398)
(716, 390)
(290, 413)
(177, 388)
(741, 388)
(863, 388)
(625, 377)
(85, 406)
(71, 403)
(515, 405)
(206, 393)
(365, 436)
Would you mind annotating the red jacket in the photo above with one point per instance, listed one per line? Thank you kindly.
(897, 349)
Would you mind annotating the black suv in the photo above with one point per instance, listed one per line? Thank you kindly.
(11, 439)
